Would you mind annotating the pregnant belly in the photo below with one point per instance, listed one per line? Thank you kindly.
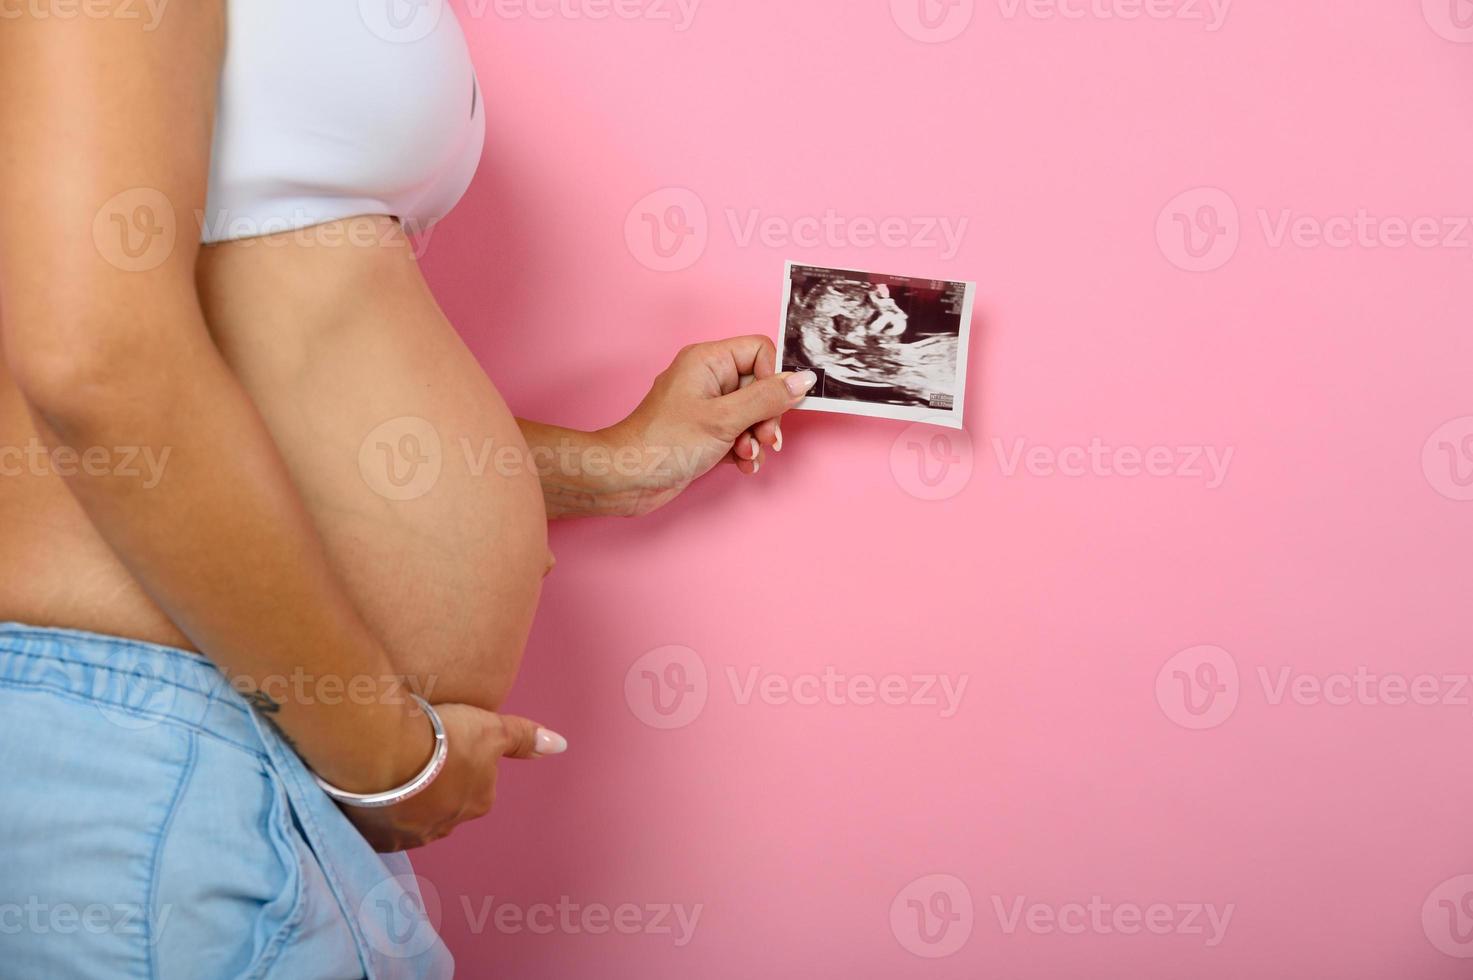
(408, 459)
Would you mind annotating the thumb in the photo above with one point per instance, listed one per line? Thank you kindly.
(523, 739)
(765, 399)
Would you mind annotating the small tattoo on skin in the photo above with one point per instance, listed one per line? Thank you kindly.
(268, 707)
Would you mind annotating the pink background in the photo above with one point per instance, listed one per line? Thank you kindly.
(1334, 545)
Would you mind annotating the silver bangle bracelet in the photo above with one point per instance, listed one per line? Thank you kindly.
(410, 789)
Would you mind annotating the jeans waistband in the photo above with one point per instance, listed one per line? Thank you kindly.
(135, 684)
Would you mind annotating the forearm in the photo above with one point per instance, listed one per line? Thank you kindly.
(224, 546)
(583, 474)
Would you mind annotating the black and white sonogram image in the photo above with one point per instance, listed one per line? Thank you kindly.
(881, 345)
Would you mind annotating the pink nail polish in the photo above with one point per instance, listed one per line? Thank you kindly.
(550, 742)
(800, 382)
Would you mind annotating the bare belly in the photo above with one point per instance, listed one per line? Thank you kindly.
(410, 463)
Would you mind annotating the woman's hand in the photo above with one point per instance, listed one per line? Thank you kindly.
(477, 741)
(718, 401)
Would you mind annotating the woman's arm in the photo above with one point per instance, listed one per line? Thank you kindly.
(110, 349)
(717, 401)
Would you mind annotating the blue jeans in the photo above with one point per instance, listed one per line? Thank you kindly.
(152, 825)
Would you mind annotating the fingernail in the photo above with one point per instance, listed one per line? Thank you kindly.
(777, 438)
(756, 447)
(756, 465)
(550, 742)
(801, 382)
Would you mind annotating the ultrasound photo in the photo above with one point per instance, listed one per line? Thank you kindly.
(886, 346)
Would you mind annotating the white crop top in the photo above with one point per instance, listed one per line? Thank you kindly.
(330, 109)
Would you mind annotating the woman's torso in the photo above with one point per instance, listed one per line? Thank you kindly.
(405, 454)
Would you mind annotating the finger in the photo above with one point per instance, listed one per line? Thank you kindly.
(744, 465)
(768, 432)
(734, 357)
(749, 444)
(523, 739)
(762, 400)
